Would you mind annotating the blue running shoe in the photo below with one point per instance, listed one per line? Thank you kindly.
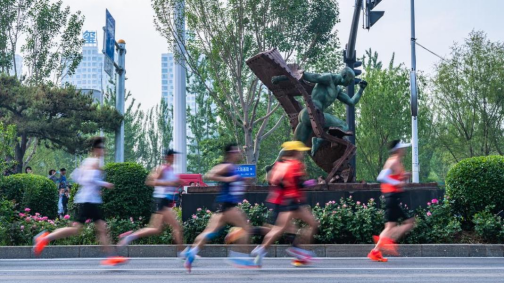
(245, 263)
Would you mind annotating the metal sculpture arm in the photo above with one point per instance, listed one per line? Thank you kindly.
(343, 97)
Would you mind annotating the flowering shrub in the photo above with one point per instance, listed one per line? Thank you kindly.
(347, 221)
(435, 224)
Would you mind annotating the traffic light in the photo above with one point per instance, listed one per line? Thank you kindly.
(371, 17)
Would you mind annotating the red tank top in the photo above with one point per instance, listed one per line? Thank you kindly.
(286, 173)
(390, 188)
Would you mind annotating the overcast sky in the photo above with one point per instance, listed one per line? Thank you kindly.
(439, 23)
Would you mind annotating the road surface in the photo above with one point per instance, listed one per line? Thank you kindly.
(357, 270)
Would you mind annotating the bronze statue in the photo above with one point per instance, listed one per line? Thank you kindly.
(325, 92)
(307, 118)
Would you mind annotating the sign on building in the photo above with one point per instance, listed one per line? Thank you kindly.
(89, 37)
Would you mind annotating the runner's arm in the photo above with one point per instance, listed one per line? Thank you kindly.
(217, 172)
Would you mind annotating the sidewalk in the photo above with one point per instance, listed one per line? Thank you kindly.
(426, 250)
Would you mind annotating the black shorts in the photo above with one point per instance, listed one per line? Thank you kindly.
(159, 203)
(91, 211)
(394, 211)
(291, 205)
(221, 207)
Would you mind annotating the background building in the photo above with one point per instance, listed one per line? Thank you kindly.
(90, 74)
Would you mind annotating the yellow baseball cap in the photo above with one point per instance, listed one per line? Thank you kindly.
(294, 146)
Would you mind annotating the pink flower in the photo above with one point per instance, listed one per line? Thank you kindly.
(357, 202)
(88, 221)
(37, 214)
(247, 221)
(51, 222)
(208, 211)
(350, 196)
(199, 209)
(194, 216)
(429, 203)
(75, 224)
(317, 204)
(27, 209)
(364, 206)
(66, 217)
(345, 206)
(140, 218)
(45, 218)
(434, 201)
(22, 215)
(35, 218)
(333, 212)
(256, 204)
(22, 227)
(371, 199)
(428, 213)
(28, 219)
(270, 209)
(245, 201)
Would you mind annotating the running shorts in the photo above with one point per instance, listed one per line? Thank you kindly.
(91, 211)
(289, 205)
(394, 211)
(221, 207)
(159, 203)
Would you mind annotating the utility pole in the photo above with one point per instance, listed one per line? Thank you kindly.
(180, 88)
(350, 60)
(120, 89)
(413, 96)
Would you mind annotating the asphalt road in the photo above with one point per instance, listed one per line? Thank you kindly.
(274, 270)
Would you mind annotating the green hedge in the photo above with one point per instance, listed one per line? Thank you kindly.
(130, 197)
(31, 191)
(475, 183)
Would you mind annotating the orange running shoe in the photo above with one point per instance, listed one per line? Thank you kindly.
(114, 260)
(376, 255)
(389, 246)
(234, 234)
(40, 243)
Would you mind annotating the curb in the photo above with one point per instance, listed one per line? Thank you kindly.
(338, 250)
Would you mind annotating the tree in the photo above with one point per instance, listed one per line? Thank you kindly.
(7, 142)
(203, 145)
(12, 24)
(227, 34)
(384, 115)
(53, 41)
(468, 99)
(58, 117)
(157, 135)
(133, 131)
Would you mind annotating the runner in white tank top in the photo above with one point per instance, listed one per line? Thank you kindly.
(165, 183)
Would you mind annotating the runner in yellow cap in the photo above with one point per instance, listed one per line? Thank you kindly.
(287, 180)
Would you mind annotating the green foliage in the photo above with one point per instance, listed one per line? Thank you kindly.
(489, 226)
(388, 90)
(435, 224)
(348, 221)
(58, 117)
(475, 183)
(130, 197)
(225, 36)
(468, 99)
(7, 142)
(32, 191)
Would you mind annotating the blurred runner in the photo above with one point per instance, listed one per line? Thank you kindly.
(166, 184)
(392, 178)
(287, 178)
(226, 210)
(88, 199)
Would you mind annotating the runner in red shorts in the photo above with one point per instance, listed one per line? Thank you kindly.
(287, 179)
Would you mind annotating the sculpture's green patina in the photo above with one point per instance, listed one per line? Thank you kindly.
(326, 90)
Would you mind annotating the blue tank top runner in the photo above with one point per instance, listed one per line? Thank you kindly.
(231, 191)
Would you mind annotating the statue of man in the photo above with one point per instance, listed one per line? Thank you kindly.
(325, 92)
